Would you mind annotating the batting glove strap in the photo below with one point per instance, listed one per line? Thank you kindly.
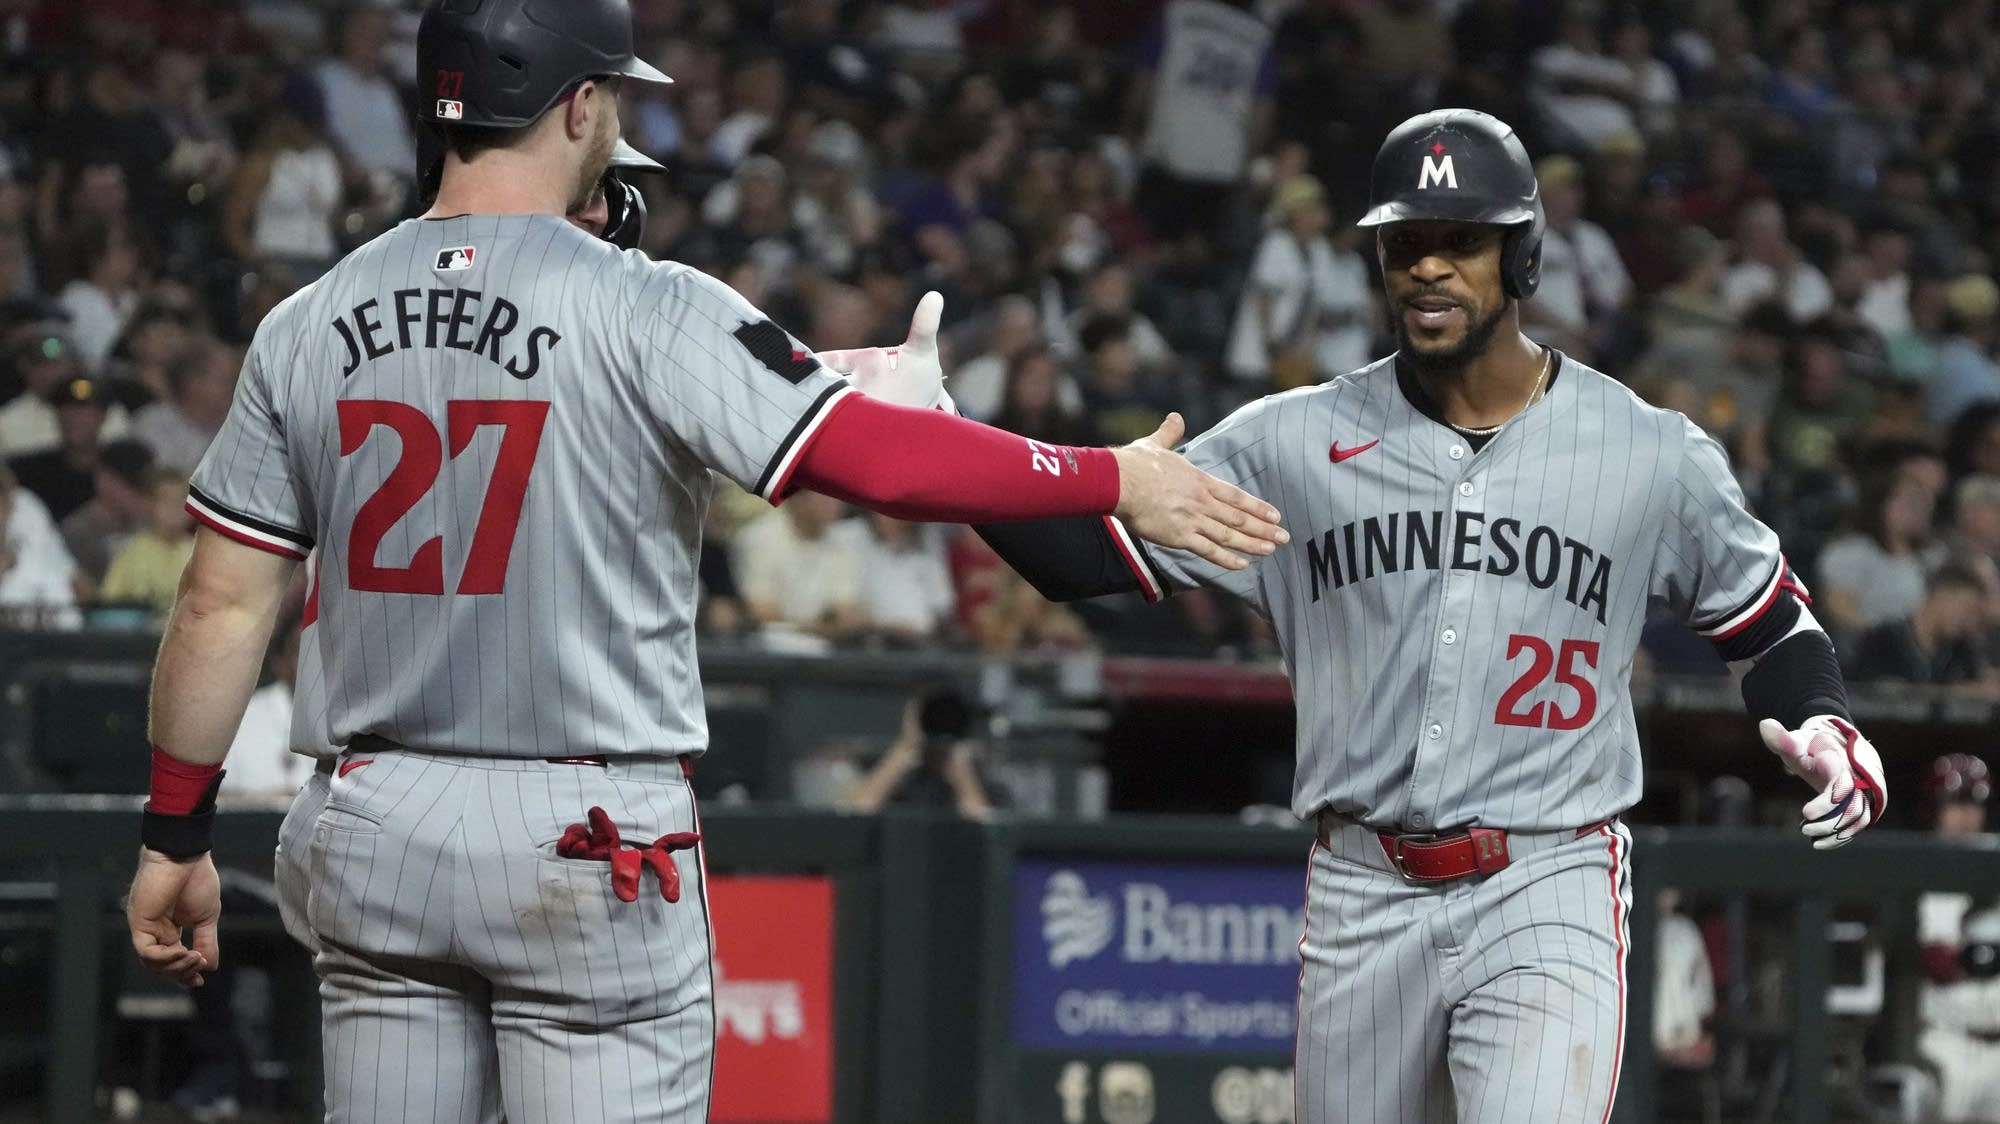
(1854, 794)
(1862, 760)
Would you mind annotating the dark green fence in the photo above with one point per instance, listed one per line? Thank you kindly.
(923, 931)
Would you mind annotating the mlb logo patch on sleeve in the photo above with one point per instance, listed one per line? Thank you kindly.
(455, 258)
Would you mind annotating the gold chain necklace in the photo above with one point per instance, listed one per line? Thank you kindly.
(1534, 392)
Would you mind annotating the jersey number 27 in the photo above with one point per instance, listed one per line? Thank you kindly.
(416, 472)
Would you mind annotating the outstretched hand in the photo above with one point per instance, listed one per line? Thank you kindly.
(1169, 502)
(909, 375)
(1829, 754)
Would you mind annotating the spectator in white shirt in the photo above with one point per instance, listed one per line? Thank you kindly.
(794, 575)
(37, 575)
(1012, 330)
(365, 114)
(1769, 266)
(1582, 94)
(1875, 573)
(758, 92)
(1885, 304)
(263, 770)
(1655, 91)
(1306, 313)
(201, 382)
(906, 592)
(1584, 285)
(99, 301)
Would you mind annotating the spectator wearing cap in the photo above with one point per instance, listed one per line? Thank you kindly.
(98, 303)
(1940, 643)
(147, 569)
(116, 511)
(365, 114)
(45, 361)
(1584, 287)
(64, 477)
(1769, 266)
(1306, 313)
(200, 384)
(1966, 372)
(287, 189)
(37, 575)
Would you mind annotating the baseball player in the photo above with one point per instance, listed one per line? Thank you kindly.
(497, 431)
(1480, 527)
(1960, 935)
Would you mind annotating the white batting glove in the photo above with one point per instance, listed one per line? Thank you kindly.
(1829, 754)
(910, 375)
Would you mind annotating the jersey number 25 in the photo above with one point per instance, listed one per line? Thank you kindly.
(416, 472)
(1541, 660)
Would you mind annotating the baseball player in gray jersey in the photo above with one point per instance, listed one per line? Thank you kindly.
(497, 432)
(1480, 527)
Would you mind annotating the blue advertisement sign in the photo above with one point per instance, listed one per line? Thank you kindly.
(1156, 956)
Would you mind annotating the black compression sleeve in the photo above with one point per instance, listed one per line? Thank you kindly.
(1064, 559)
(1797, 679)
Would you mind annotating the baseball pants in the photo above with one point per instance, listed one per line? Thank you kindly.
(468, 973)
(1499, 999)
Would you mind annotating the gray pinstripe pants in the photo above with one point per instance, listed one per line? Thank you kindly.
(468, 973)
(1498, 1000)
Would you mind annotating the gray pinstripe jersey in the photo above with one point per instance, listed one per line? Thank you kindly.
(498, 431)
(1459, 626)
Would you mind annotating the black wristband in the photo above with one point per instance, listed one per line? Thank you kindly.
(182, 837)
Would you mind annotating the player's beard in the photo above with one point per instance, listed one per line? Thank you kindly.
(1451, 358)
(595, 161)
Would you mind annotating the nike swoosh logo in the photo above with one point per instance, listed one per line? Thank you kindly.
(1339, 454)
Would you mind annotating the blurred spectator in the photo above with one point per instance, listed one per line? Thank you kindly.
(833, 211)
(1109, 291)
(36, 572)
(758, 91)
(1307, 310)
(1655, 92)
(1727, 384)
(1975, 523)
(938, 219)
(1684, 991)
(1581, 94)
(1407, 48)
(263, 770)
(1821, 407)
(118, 507)
(1800, 90)
(105, 150)
(796, 575)
(287, 191)
(1033, 404)
(1204, 94)
(1913, 351)
(1000, 610)
(1939, 644)
(64, 477)
(204, 150)
(99, 300)
(1013, 328)
(1966, 372)
(1728, 184)
(1584, 285)
(157, 332)
(906, 593)
(45, 360)
(751, 219)
(693, 168)
(1885, 302)
(1769, 266)
(1974, 441)
(365, 115)
(1959, 1006)
(1123, 403)
(200, 383)
(1874, 126)
(1875, 574)
(933, 763)
(147, 569)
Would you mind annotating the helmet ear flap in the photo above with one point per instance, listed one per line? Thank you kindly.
(1521, 261)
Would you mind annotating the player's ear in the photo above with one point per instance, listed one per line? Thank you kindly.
(581, 108)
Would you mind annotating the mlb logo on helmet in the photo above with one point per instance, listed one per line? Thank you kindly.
(455, 258)
(450, 110)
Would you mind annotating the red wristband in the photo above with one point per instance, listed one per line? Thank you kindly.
(178, 786)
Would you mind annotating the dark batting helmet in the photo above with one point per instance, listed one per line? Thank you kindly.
(1957, 778)
(1469, 166)
(502, 63)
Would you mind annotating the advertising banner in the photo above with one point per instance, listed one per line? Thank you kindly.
(1156, 957)
(773, 999)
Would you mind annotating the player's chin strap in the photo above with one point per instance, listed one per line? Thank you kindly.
(1829, 753)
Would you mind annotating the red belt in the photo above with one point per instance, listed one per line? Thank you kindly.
(1443, 858)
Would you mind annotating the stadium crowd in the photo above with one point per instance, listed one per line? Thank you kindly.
(1780, 217)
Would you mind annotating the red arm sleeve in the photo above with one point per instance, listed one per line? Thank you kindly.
(928, 465)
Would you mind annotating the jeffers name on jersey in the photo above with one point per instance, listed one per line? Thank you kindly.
(447, 316)
(1355, 552)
